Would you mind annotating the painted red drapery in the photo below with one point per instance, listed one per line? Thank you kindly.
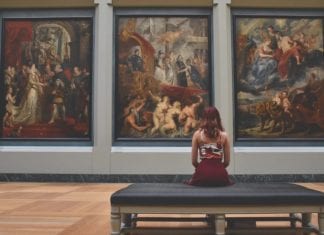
(16, 32)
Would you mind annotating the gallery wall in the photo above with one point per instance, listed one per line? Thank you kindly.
(102, 157)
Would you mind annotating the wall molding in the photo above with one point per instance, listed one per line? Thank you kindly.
(162, 3)
(148, 178)
(46, 4)
(278, 4)
(47, 149)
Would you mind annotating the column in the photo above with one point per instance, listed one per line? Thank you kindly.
(223, 80)
(103, 60)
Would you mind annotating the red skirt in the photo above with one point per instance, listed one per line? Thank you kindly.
(210, 172)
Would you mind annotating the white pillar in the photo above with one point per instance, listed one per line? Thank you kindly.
(223, 65)
(102, 97)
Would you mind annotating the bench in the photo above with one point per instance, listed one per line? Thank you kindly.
(240, 198)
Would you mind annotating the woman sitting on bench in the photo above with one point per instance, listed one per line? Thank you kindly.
(211, 143)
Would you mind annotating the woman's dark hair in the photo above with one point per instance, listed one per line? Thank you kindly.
(211, 122)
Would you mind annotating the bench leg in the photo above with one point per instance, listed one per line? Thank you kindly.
(306, 219)
(134, 220)
(210, 220)
(219, 224)
(115, 221)
(293, 220)
(126, 220)
(321, 223)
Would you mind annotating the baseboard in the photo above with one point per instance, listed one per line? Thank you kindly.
(137, 178)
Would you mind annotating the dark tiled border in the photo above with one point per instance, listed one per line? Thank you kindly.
(96, 178)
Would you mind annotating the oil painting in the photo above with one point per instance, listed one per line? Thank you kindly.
(163, 75)
(279, 77)
(47, 78)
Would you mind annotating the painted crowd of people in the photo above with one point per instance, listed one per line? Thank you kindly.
(172, 69)
(45, 94)
(277, 56)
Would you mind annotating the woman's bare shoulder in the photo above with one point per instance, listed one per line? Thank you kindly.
(223, 135)
(197, 133)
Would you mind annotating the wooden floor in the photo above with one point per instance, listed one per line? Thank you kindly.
(70, 208)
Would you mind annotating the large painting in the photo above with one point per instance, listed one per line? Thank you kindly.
(279, 77)
(47, 78)
(163, 74)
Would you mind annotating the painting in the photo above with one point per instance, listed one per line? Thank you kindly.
(278, 77)
(163, 74)
(47, 78)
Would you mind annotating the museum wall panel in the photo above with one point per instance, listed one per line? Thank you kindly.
(102, 156)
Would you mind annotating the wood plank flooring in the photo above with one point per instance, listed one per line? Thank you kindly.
(74, 209)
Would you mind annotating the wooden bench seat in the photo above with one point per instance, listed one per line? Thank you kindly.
(240, 198)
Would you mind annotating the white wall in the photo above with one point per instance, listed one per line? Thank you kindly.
(102, 158)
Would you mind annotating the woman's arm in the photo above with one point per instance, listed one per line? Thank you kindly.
(194, 149)
(227, 154)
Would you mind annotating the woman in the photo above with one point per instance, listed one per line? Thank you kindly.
(264, 68)
(211, 142)
(29, 111)
(159, 72)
